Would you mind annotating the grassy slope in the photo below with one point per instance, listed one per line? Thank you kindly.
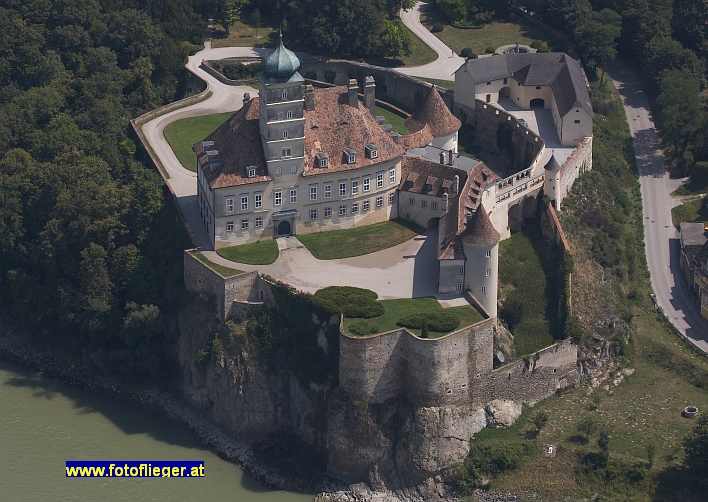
(256, 253)
(692, 209)
(647, 407)
(243, 33)
(359, 241)
(493, 35)
(182, 134)
(224, 271)
(397, 309)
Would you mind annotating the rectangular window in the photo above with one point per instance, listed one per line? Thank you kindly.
(285, 134)
(313, 193)
(342, 189)
(328, 191)
(489, 253)
(379, 201)
(461, 270)
(577, 121)
(259, 201)
(313, 214)
(293, 196)
(285, 94)
(365, 204)
(355, 208)
(285, 152)
(366, 184)
(342, 210)
(379, 180)
(391, 198)
(538, 87)
(290, 115)
(434, 206)
(423, 204)
(505, 80)
(259, 222)
(278, 171)
(244, 224)
(391, 176)
(489, 271)
(293, 169)
(229, 205)
(278, 198)
(484, 290)
(244, 203)
(408, 216)
(327, 212)
(411, 202)
(459, 286)
(229, 226)
(355, 187)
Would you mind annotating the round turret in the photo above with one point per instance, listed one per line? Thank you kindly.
(480, 243)
(281, 63)
(552, 164)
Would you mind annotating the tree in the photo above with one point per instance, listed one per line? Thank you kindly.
(512, 312)
(539, 420)
(228, 12)
(396, 40)
(597, 38)
(680, 110)
(688, 23)
(695, 444)
(256, 18)
(587, 427)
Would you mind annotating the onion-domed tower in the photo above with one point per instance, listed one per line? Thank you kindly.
(480, 242)
(281, 112)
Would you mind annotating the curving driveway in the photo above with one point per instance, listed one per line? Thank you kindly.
(661, 238)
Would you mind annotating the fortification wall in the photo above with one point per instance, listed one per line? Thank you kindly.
(526, 146)
(579, 162)
(400, 90)
(234, 295)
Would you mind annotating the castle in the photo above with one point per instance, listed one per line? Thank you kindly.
(298, 159)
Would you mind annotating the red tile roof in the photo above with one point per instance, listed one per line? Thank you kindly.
(435, 113)
(417, 139)
(479, 231)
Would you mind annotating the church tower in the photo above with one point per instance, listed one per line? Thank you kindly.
(281, 121)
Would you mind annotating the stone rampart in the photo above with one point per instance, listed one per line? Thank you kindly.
(392, 87)
(526, 146)
(455, 369)
(578, 162)
(234, 295)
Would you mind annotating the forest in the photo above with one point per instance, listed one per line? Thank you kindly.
(90, 252)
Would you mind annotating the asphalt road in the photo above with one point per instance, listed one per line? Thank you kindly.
(661, 238)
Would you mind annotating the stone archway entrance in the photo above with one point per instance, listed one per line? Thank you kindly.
(504, 91)
(284, 228)
(432, 223)
(537, 103)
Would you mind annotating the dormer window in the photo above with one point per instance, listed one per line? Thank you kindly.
(251, 170)
(349, 156)
(321, 159)
(285, 94)
(372, 151)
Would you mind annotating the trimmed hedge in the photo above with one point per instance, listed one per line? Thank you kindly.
(362, 327)
(440, 322)
(437, 28)
(352, 302)
(466, 52)
(536, 44)
(543, 49)
(490, 50)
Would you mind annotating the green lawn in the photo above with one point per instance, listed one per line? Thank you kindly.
(396, 121)
(256, 253)
(493, 35)
(224, 271)
(397, 309)
(182, 134)
(359, 241)
(447, 84)
(692, 209)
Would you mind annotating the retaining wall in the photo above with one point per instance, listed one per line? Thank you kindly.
(578, 162)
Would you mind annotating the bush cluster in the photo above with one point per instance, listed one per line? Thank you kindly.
(596, 218)
(485, 460)
(466, 52)
(437, 28)
(362, 327)
(241, 71)
(441, 322)
(352, 302)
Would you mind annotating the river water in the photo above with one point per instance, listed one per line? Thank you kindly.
(43, 423)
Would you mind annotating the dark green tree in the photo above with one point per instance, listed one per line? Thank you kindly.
(695, 444)
(681, 113)
(396, 40)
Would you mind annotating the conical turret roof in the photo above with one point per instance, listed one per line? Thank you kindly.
(552, 164)
(281, 63)
(434, 112)
(479, 231)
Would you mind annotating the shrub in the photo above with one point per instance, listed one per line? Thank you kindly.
(442, 322)
(539, 420)
(352, 302)
(587, 427)
(362, 327)
(543, 49)
(490, 50)
(536, 44)
(696, 446)
(512, 312)
(437, 28)
(466, 52)
(512, 16)
(483, 460)
(424, 332)
(472, 56)
(699, 174)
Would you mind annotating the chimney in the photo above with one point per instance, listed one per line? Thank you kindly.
(246, 98)
(353, 92)
(309, 97)
(370, 95)
(442, 158)
(452, 159)
(455, 185)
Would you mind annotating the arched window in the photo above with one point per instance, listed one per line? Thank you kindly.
(280, 116)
